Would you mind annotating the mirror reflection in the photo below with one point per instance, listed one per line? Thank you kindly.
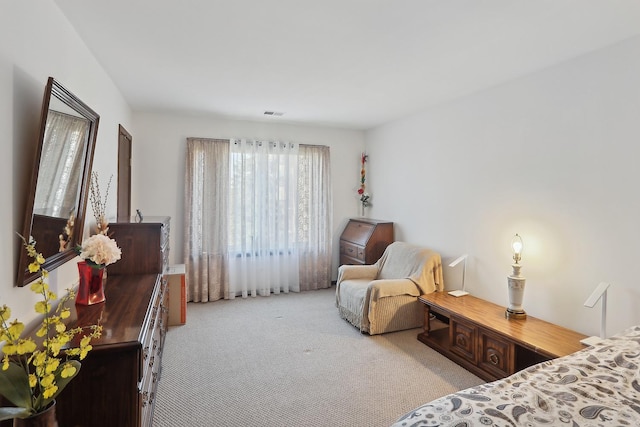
(58, 190)
(55, 214)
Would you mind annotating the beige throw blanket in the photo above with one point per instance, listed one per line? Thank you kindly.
(405, 261)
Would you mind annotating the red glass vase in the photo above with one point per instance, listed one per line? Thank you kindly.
(90, 289)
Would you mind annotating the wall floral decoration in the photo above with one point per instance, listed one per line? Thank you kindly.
(365, 198)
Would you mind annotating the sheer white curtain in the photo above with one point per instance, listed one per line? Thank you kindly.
(263, 251)
(258, 218)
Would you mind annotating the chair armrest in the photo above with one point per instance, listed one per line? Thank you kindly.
(349, 272)
(392, 287)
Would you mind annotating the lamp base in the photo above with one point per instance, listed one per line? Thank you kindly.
(511, 314)
(516, 294)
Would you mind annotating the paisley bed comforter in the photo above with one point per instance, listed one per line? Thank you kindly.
(597, 386)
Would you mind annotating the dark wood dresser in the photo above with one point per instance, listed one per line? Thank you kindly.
(144, 245)
(117, 381)
(364, 240)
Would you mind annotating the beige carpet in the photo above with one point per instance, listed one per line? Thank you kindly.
(290, 360)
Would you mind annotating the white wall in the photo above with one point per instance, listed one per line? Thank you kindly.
(552, 156)
(36, 42)
(158, 164)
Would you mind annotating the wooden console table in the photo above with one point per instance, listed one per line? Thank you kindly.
(475, 334)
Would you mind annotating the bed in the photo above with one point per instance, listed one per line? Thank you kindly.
(597, 386)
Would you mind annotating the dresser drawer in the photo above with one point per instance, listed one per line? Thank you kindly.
(496, 354)
(352, 251)
(164, 234)
(345, 260)
(151, 347)
(165, 259)
(153, 340)
(462, 339)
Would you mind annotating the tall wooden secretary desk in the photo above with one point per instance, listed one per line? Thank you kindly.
(364, 240)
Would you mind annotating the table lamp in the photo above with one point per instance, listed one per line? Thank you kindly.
(600, 292)
(516, 283)
(460, 292)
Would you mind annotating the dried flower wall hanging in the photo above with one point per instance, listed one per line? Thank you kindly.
(362, 194)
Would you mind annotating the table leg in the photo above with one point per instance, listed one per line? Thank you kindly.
(427, 320)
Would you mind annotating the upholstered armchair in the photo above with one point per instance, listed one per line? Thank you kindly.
(383, 297)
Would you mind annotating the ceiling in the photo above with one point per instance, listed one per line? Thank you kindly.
(354, 64)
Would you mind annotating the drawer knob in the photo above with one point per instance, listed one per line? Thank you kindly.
(494, 359)
(461, 340)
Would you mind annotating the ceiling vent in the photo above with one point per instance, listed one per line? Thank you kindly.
(273, 113)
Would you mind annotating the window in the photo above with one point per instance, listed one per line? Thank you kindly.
(258, 218)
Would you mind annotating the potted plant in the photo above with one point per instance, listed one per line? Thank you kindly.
(32, 375)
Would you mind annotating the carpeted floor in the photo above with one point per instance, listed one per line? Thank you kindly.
(290, 360)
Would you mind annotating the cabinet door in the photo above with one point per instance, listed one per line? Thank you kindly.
(462, 339)
(496, 354)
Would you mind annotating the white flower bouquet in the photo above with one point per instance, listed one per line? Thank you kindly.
(99, 250)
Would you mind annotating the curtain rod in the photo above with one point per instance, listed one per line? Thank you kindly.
(257, 139)
(313, 145)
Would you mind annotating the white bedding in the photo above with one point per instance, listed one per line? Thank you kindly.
(597, 386)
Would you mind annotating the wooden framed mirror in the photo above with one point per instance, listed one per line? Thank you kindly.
(57, 201)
